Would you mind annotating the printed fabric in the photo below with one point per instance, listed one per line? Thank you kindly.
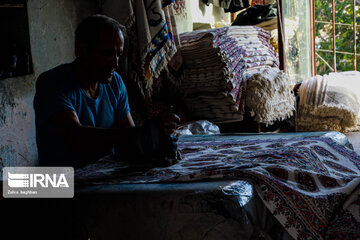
(262, 2)
(329, 102)
(310, 184)
(179, 7)
(217, 63)
(153, 40)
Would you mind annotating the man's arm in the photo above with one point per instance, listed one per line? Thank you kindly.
(126, 122)
(67, 124)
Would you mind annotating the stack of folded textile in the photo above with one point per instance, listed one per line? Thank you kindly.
(329, 102)
(269, 94)
(217, 62)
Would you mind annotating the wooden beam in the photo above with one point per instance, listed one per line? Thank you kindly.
(312, 35)
(334, 34)
(354, 22)
(281, 35)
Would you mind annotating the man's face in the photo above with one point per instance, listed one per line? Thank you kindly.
(102, 59)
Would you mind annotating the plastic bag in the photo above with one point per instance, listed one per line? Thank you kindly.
(203, 127)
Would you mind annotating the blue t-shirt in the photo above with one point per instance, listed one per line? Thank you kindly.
(59, 90)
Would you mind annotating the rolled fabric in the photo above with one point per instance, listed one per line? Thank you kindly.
(329, 103)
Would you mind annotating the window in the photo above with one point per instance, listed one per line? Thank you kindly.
(297, 39)
(15, 57)
(336, 30)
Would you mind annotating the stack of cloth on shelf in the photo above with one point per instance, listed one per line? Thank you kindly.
(217, 63)
(264, 16)
(329, 102)
(269, 94)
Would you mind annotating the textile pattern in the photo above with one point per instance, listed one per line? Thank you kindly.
(303, 182)
(308, 183)
(179, 7)
(162, 41)
(154, 41)
(240, 50)
(329, 102)
(262, 2)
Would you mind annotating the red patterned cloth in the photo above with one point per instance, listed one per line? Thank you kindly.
(262, 2)
(179, 7)
(308, 183)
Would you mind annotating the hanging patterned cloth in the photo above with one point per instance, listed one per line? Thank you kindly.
(262, 2)
(156, 42)
(153, 38)
(179, 7)
(153, 43)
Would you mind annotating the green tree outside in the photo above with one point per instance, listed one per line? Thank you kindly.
(344, 41)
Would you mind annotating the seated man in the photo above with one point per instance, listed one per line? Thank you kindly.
(81, 108)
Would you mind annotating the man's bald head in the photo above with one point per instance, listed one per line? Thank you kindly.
(91, 28)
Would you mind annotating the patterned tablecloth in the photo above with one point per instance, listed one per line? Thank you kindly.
(309, 182)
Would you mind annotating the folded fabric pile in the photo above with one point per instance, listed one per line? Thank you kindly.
(269, 94)
(261, 16)
(217, 62)
(328, 102)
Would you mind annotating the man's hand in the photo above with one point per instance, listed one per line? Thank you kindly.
(168, 122)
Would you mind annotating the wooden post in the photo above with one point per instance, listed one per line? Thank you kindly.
(281, 35)
(312, 35)
(333, 34)
(354, 36)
